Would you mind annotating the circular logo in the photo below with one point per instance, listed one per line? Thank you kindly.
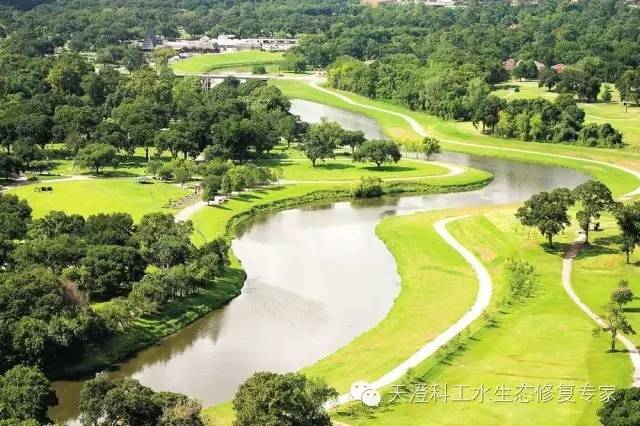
(357, 389)
(371, 398)
(362, 391)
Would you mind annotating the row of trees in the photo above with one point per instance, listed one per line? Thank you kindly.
(548, 212)
(110, 401)
(220, 178)
(460, 95)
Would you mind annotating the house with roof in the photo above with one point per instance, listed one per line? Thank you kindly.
(150, 41)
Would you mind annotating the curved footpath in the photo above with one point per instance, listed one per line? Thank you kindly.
(485, 288)
(567, 265)
(421, 131)
(484, 279)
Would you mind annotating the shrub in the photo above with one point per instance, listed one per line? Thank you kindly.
(368, 187)
(521, 279)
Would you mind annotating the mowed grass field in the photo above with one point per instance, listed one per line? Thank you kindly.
(344, 169)
(546, 341)
(92, 196)
(463, 137)
(600, 266)
(614, 112)
(205, 63)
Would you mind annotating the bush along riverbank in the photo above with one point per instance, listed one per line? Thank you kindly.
(150, 329)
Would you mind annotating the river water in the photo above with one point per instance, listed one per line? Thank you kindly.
(317, 277)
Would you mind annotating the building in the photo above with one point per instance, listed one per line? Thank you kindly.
(150, 41)
(510, 64)
(224, 42)
(558, 68)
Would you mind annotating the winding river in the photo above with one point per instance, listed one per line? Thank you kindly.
(317, 277)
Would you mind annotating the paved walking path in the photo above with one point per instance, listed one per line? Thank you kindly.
(421, 131)
(485, 288)
(567, 266)
(186, 213)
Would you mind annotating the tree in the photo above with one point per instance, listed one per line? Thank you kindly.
(15, 214)
(108, 401)
(616, 323)
(25, 394)
(162, 55)
(282, 399)
(9, 164)
(109, 229)
(594, 198)
(211, 186)
(606, 95)
(67, 73)
(56, 253)
(526, 69)
(629, 86)
(133, 59)
(96, 156)
(487, 111)
(547, 211)
(623, 408)
(548, 78)
(111, 133)
(430, 147)
(107, 271)
(628, 219)
(140, 118)
(55, 224)
(378, 152)
(320, 141)
(352, 139)
(622, 295)
(72, 120)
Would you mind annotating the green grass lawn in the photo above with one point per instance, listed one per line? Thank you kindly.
(545, 341)
(92, 196)
(453, 134)
(628, 122)
(600, 266)
(205, 63)
(345, 169)
(133, 165)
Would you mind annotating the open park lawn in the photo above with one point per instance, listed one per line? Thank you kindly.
(345, 169)
(92, 196)
(205, 63)
(601, 265)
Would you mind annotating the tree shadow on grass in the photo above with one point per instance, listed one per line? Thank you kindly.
(334, 166)
(558, 249)
(593, 250)
(390, 169)
(116, 174)
(246, 197)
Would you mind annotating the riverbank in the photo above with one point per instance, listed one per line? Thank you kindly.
(607, 165)
(598, 163)
(543, 341)
(216, 221)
